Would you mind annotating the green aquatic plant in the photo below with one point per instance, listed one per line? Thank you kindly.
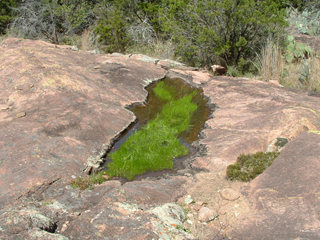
(248, 166)
(155, 145)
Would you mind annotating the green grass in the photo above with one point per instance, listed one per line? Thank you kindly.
(155, 145)
(249, 166)
(87, 182)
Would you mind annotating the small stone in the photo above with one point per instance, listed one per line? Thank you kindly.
(206, 214)
(74, 48)
(4, 107)
(188, 200)
(95, 51)
(221, 212)
(275, 82)
(106, 177)
(229, 194)
(21, 114)
(64, 226)
(73, 176)
(198, 206)
(97, 67)
(189, 221)
(218, 69)
(189, 215)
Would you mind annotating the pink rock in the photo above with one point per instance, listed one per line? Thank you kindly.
(206, 214)
(229, 194)
(197, 206)
(106, 177)
(275, 82)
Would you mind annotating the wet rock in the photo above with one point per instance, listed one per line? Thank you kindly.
(229, 194)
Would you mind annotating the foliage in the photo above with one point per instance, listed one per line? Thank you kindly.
(233, 71)
(204, 31)
(6, 15)
(303, 4)
(230, 29)
(37, 18)
(112, 31)
(269, 62)
(51, 18)
(306, 21)
(88, 182)
(296, 50)
(249, 166)
(154, 146)
(157, 49)
(78, 15)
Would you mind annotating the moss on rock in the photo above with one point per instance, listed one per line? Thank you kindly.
(248, 166)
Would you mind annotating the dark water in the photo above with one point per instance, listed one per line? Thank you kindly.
(153, 106)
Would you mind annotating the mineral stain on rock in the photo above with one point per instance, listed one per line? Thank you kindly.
(170, 121)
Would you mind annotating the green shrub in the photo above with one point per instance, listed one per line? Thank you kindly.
(249, 166)
(6, 13)
(297, 51)
(112, 31)
(206, 31)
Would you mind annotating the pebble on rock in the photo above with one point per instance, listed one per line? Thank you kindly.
(21, 114)
(188, 200)
(206, 214)
(229, 194)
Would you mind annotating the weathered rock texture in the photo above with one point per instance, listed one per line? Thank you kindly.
(60, 110)
(73, 104)
(249, 116)
(286, 197)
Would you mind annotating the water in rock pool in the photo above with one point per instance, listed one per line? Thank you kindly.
(167, 124)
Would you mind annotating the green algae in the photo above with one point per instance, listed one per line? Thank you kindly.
(171, 114)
